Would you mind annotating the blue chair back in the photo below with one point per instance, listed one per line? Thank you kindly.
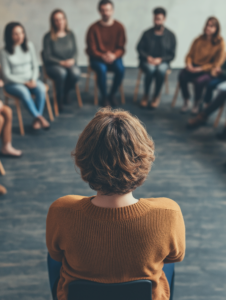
(89, 290)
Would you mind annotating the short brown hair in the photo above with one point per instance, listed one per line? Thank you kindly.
(53, 28)
(114, 152)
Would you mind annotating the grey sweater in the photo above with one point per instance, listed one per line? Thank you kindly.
(20, 66)
(146, 45)
(60, 49)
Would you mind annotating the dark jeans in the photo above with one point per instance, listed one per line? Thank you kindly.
(211, 87)
(216, 103)
(200, 80)
(157, 72)
(101, 68)
(64, 78)
(55, 266)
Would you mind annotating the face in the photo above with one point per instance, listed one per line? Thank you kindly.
(59, 21)
(18, 35)
(210, 28)
(106, 12)
(159, 20)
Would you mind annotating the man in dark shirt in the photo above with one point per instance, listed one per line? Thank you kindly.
(156, 49)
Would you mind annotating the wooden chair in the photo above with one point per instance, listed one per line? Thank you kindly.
(89, 72)
(19, 114)
(2, 170)
(140, 72)
(220, 111)
(46, 77)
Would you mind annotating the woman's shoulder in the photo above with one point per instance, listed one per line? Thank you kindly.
(163, 203)
(30, 45)
(68, 201)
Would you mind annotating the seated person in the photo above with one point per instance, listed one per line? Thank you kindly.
(219, 75)
(60, 56)
(20, 72)
(206, 53)
(203, 116)
(103, 238)
(105, 47)
(156, 49)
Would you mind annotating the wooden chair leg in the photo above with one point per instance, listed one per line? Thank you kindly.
(218, 116)
(55, 103)
(19, 115)
(122, 94)
(49, 108)
(137, 86)
(175, 95)
(77, 90)
(2, 170)
(95, 90)
(167, 84)
(87, 79)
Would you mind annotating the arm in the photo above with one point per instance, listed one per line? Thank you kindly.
(47, 53)
(53, 230)
(75, 56)
(171, 53)
(6, 70)
(91, 43)
(34, 62)
(177, 239)
(141, 48)
(120, 43)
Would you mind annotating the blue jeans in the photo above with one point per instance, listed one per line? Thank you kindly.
(21, 91)
(55, 266)
(152, 71)
(211, 87)
(101, 69)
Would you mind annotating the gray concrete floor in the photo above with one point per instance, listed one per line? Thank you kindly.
(189, 168)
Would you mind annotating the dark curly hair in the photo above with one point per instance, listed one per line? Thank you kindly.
(9, 45)
(114, 152)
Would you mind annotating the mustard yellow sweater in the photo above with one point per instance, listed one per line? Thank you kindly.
(205, 54)
(112, 245)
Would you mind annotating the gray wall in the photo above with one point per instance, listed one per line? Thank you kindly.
(185, 17)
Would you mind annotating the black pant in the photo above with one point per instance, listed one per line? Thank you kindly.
(64, 78)
(217, 102)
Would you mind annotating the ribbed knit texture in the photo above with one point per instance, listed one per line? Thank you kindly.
(112, 245)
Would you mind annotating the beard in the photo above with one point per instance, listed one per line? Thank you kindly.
(158, 27)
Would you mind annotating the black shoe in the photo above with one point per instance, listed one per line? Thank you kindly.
(222, 135)
(113, 101)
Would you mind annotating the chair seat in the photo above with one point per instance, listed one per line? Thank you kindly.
(89, 290)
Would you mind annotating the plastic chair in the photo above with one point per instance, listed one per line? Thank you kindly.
(89, 72)
(168, 72)
(19, 114)
(87, 290)
(46, 77)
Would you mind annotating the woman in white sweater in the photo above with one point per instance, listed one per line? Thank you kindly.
(20, 71)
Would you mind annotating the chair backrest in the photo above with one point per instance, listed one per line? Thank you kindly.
(89, 290)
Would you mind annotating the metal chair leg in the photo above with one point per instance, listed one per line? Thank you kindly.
(137, 85)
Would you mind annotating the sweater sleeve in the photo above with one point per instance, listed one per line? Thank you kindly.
(75, 56)
(141, 47)
(34, 61)
(6, 70)
(47, 53)
(120, 50)
(171, 52)
(177, 239)
(53, 233)
(91, 43)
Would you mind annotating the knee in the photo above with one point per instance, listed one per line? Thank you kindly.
(60, 74)
(41, 87)
(76, 73)
(162, 69)
(7, 112)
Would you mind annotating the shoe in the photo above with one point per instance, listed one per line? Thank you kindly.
(144, 102)
(185, 108)
(113, 101)
(155, 103)
(195, 110)
(196, 122)
(105, 102)
(3, 190)
(222, 135)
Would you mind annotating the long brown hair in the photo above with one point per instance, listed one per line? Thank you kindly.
(216, 38)
(53, 29)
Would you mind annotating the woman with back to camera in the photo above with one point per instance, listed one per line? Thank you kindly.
(113, 237)
(206, 54)
(60, 56)
(20, 72)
